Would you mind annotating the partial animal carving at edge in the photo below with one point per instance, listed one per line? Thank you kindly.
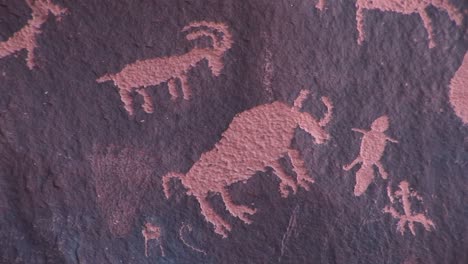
(459, 91)
(406, 7)
(26, 38)
(152, 232)
(372, 148)
(144, 73)
(255, 139)
(408, 217)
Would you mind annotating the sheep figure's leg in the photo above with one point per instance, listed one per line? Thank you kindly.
(299, 167)
(185, 86)
(285, 179)
(147, 102)
(236, 210)
(127, 100)
(171, 85)
(221, 226)
(428, 26)
(360, 23)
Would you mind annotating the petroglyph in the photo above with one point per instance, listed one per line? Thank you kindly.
(289, 231)
(459, 91)
(181, 236)
(151, 72)
(320, 5)
(121, 176)
(372, 148)
(268, 70)
(406, 7)
(255, 139)
(152, 232)
(408, 217)
(26, 37)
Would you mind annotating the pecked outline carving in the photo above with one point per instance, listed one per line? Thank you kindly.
(26, 37)
(255, 139)
(144, 73)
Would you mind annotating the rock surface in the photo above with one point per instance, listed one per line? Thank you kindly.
(82, 162)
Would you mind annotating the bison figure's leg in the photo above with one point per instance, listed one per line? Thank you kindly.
(147, 102)
(127, 100)
(285, 179)
(221, 226)
(428, 26)
(172, 89)
(236, 210)
(360, 23)
(382, 171)
(298, 164)
(185, 86)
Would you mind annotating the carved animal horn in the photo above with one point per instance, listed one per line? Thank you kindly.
(327, 117)
(166, 179)
(225, 43)
(300, 99)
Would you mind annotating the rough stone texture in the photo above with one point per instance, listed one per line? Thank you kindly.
(55, 117)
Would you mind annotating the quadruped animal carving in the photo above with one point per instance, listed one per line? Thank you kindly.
(407, 7)
(26, 37)
(372, 148)
(152, 232)
(144, 73)
(459, 91)
(408, 217)
(255, 139)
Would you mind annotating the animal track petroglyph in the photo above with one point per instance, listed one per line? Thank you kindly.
(408, 217)
(144, 73)
(406, 7)
(26, 38)
(459, 91)
(255, 139)
(152, 232)
(372, 148)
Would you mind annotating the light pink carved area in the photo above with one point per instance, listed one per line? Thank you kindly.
(406, 7)
(459, 91)
(181, 236)
(144, 73)
(372, 149)
(320, 5)
(26, 38)
(408, 217)
(152, 232)
(121, 176)
(255, 139)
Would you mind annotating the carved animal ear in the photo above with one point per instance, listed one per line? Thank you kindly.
(300, 98)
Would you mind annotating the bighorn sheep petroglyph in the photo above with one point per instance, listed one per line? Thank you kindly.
(144, 73)
(406, 7)
(372, 149)
(25, 38)
(255, 139)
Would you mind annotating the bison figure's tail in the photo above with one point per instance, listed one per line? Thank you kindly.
(105, 78)
(166, 179)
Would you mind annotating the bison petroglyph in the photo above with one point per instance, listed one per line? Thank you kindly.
(255, 139)
(144, 73)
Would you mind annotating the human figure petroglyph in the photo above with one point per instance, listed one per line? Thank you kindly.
(144, 73)
(459, 91)
(372, 149)
(408, 217)
(406, 7)
(26, 37)
(255, 139)
(152, 232)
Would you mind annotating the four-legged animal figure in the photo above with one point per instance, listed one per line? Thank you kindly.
(144, 73)
(372, 148)
(255, 139)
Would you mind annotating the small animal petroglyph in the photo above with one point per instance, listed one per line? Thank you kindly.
(372, 148)
(408, 216)
(255, 139)
(26, 38)
(459, 91)
(406, 7)
(152, 232)
(144, 73)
